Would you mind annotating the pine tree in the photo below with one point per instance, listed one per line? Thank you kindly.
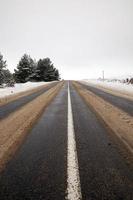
(52, 74)
(28, 69)
(57, 75)
(43, 66)
(8, 78)
(2, 66)
(46, 71)
(25, 69)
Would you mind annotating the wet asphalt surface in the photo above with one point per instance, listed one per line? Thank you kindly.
(5, 110)
(122, 103)
(103, 172)
(39, 168)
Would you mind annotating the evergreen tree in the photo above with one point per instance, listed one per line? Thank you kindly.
(8, 77)
(49, 74)
(46, 71)
(43, 66)
(2, 66)
(57, 75)
(52, 74)
(28, 69)
(25, 69)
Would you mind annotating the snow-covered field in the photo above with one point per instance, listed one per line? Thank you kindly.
(112, 85)
(20, 87)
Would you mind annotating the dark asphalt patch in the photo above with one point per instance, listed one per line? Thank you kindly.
(38, 171)
(103, 171)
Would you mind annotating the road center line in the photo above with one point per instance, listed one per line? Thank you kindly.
(73, 179)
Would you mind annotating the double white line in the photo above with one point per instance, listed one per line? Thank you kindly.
(73, 179)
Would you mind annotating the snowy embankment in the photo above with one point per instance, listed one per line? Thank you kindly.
(20, 87)
(116, 86)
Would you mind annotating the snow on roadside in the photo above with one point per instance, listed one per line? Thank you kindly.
(114, 86)
(20, 87)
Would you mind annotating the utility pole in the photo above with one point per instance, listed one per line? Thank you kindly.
(103, 74)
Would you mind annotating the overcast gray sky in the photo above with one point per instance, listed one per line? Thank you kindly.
(82, 37)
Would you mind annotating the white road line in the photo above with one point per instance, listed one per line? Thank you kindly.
(73, 179)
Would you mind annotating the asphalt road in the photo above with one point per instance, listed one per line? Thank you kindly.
(120, 102)
(39, 168)
(6, 109)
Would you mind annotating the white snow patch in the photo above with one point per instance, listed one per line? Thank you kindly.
(20, 87)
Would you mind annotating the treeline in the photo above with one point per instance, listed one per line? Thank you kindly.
(28, 69)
